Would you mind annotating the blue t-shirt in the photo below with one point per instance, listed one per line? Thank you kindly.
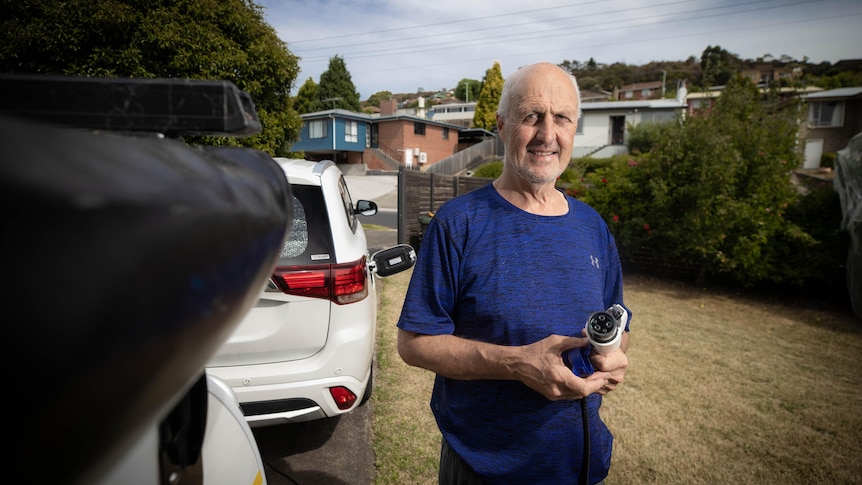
(489, 271)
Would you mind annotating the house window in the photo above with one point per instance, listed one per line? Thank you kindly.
(580, 130)
(351, 132)
(317, 129)
(629, 94)
(418, 128)
(367, 138)
(826, 114)
(445, 133)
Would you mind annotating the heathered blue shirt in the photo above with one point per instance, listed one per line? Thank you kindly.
(489, 271)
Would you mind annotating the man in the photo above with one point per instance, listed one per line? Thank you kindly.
(506, 277)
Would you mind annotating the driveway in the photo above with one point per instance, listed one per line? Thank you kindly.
(334, 451)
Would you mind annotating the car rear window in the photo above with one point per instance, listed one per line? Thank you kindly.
(309, 240)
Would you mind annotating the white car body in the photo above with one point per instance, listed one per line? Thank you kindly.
(293, 356)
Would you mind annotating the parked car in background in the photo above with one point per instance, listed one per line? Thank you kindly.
(305, 350)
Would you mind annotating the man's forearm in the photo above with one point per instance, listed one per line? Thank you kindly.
(456, 357)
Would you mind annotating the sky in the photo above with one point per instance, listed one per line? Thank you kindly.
(404, 45)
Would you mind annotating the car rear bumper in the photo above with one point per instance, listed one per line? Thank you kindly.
(297, 391)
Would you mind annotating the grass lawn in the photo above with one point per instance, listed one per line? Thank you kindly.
(722, 388)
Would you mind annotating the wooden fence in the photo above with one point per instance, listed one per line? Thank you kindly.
(421, 193)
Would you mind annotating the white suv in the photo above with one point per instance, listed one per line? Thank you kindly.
(304, 351)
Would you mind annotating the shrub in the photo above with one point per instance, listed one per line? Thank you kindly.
(712, 194)
(490, 170)
(644, 136)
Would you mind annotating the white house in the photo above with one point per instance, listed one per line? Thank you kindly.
(602, 128)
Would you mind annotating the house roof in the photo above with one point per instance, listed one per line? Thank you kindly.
(635, 104)
(338, 112)
(403, 117)
(639, 86)
(837, 93)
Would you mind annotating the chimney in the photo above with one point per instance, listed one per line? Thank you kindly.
(388, 106)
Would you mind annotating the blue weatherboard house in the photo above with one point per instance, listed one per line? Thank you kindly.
(336, 134)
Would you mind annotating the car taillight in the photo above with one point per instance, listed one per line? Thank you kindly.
(344, 399)
(341, 283)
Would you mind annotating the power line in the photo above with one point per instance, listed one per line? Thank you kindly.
(495, 27)
(624, 42)
(593, 27)
(448, 22)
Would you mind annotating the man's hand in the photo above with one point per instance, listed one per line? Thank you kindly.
(538, 365)
(615, 363)
(541, 368)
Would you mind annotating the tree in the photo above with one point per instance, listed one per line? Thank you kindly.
(489, 98)
(336, 88)
(307, 99)
(376, 98)
(718, 66)
(467, 90)
(194, 39)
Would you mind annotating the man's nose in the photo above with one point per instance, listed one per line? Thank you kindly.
(545, 129)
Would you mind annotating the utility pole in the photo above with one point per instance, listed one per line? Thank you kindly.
(663, 79)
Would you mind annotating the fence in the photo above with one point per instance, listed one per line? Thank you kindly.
(421, 193)
(466, 159)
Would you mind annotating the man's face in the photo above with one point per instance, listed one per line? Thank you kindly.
(539, 129)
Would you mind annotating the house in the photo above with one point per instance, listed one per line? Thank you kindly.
(358, 141)
(335, 134)
(602, 127)
(588, 96)
(765, 73)
(648, 90)
(454, 112)
(834, 116)
(701, 103)
(413, 140)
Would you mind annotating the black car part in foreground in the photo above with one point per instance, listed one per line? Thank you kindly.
(130, 257)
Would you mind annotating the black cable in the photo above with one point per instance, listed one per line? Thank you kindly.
(585, 466)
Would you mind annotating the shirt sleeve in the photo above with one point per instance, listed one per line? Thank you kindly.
(430, 300)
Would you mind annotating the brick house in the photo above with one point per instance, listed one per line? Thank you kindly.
(413, 140)
(638, 91)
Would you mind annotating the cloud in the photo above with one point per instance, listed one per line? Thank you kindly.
(401, 45)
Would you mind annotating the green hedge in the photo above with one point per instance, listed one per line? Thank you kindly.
(712, 196)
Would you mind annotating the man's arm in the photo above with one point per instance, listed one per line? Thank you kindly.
(538, 365)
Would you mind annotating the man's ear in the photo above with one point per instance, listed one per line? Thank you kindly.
(500, 122)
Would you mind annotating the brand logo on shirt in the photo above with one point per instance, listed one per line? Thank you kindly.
(594, 261)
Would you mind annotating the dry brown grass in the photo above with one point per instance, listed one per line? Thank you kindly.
(722, 388)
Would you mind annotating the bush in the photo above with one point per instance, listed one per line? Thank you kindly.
(713, 195)
(644, 136)
(489, 170)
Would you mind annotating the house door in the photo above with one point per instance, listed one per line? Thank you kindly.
(813, 152)
(618, 130)
(375, 142)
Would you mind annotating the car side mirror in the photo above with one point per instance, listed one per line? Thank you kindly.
(390, 261)
(366, 207)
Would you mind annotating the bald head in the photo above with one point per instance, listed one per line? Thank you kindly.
(513, 87)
